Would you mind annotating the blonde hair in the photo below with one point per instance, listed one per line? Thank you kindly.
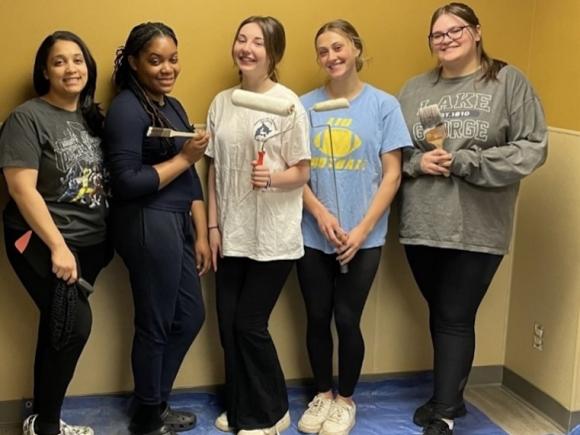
(345, 28)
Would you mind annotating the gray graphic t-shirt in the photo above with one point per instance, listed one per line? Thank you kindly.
(69, 161)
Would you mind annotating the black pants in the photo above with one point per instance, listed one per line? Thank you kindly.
(157, 248)
(453, 282)
(53, 369)
(247, 291)
(327, 292)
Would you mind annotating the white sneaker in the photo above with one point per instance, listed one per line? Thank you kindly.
(28, 425)
(65, 429)
(283, 424)
(317, 412)
(221, 422)
(341, 419)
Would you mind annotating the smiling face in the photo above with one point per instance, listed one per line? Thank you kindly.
(66, 70)
(249, 51)
(454, 41)
(336, 54)
(157, 66)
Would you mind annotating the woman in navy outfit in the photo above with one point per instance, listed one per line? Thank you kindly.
(158, 220)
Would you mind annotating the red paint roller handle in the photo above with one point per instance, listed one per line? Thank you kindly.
(261, 157)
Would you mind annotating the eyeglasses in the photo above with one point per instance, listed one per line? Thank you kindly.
(453, 34)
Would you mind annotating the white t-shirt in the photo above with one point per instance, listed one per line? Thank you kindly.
(263, 225)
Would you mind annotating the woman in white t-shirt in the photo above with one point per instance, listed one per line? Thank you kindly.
(254, 225)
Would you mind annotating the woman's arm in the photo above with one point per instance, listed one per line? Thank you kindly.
(526, 144)
(215, 237)
(190, 153)
(327, 222)
(124, 134)
(291, 178)
(202, 251)
(391, 165)
(22, 188)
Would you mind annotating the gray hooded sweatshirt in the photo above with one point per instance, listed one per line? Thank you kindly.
(497, 135)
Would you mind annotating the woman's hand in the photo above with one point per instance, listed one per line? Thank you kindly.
(352, 243)
(436, 162)
(194, 148)
(330, 228)
(215, 245)
(261, 177)
(203, 257)
(64, 264)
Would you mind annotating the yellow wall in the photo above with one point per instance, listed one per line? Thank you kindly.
(395, 33)
(555, 60)
(546, 277)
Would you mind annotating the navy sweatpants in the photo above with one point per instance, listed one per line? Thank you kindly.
(157, 248)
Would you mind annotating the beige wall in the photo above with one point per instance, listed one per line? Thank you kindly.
(546, 276)
(395, 33)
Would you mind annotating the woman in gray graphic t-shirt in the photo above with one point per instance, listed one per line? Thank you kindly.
(54, 224)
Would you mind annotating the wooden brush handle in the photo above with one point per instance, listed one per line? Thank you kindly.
(435, 137)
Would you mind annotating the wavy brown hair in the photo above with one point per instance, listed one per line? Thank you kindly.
(274, 41)
(490, 67)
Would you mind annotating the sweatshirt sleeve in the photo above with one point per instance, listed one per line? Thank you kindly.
(526, 142)
(412, 162)
(124, 133)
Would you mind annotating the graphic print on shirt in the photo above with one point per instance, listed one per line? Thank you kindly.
(264, 129)
(339, 141)
(79, 156)
(462, 114)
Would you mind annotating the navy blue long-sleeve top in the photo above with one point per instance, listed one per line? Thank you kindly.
(131, 156)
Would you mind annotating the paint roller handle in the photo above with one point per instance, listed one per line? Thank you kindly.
(261, 155)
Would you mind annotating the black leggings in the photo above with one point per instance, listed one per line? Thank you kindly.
(247, 291)
(53, 369)
(326, 292)
(453, 282)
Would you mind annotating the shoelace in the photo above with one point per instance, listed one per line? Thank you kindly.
(337, 413)
(67, 429)
(315, 407)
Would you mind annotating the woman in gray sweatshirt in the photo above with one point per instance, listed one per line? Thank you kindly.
(458, 200)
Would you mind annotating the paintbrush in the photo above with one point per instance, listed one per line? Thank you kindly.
(168, 132)
(432, 123)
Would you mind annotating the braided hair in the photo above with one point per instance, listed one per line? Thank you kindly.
(125, 77)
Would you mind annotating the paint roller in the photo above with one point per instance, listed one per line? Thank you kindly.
(262, 103)
(325, 106)
(282, 107)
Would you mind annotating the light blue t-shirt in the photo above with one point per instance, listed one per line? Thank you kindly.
(371, 126)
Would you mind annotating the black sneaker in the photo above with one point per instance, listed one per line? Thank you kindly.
(428, 411)
(437, 427)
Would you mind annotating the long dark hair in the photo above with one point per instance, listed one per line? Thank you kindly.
(125, 78)
(274, 41)
(489, 67)
(90, 110)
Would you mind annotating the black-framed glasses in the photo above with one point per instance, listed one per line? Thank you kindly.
(453, 34)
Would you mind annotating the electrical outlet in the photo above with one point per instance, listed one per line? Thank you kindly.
(538, 336)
